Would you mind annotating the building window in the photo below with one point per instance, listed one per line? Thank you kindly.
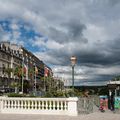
(8, 58)
(3, 56)
(3, 68)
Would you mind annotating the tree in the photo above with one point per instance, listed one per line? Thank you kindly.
(53, 87)
(31, 72)
(18, 71)
(8, 71)
(15, 86)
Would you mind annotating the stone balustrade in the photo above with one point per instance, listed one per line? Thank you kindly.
(51, 106)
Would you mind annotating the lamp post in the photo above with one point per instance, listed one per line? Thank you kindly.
(73, 62)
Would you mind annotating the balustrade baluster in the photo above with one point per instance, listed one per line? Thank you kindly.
(62, 105)
(36, 104)
(18, 104)
(15, 104)
(5, 103)
(50, 105)
(45, 105)
(8, 103)
(28, 104)
(54, 105)
(22, 104)
(42, 104)
(58, 106)
(32, 104)
(66, 105)
(39, 105)
(12, 104)
(25, 104)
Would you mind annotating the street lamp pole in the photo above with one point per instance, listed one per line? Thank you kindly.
(73, 78)
(73, 62)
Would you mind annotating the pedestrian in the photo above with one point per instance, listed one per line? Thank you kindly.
(112, 101)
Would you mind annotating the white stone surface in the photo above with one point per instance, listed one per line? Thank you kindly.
(47, 106)
(92, 116)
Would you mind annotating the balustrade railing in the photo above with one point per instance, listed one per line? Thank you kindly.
(96, 100)
(85, 105)
(57, 106)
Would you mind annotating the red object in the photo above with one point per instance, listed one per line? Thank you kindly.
(46, 74)
(24, 69)
(103, 104)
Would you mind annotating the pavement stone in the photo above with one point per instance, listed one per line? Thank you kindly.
(92, 116)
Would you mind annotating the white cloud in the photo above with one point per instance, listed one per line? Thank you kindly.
(14, 26)
(94, 32)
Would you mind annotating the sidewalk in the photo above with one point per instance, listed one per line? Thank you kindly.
(92, 116)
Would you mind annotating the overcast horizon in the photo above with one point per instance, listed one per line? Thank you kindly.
(55, 30)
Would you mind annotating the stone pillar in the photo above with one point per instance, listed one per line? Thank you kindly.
(72, 106)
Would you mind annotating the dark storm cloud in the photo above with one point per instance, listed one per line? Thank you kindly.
(75, 29)
(97, 80)
(114, 2)
(73, 32)
(58, 35)
(96, 57)
(100, 55)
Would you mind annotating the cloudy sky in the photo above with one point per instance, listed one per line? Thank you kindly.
(54, 30)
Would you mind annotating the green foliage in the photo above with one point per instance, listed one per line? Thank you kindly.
(51, 84)
(55, 94)
(31, 72)
(63, 93)
(18, 71)
(20, 95)
(103, 91)
(77, 92)
(8, 71)
(15, 95)
(14, 84)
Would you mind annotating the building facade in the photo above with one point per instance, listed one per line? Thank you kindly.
(17, 64)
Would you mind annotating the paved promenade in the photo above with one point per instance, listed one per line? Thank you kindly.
(92, 116)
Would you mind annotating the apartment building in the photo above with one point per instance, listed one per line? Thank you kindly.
(17, 64)
(10, 57)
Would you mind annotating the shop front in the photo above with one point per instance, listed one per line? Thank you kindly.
(114, 95)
